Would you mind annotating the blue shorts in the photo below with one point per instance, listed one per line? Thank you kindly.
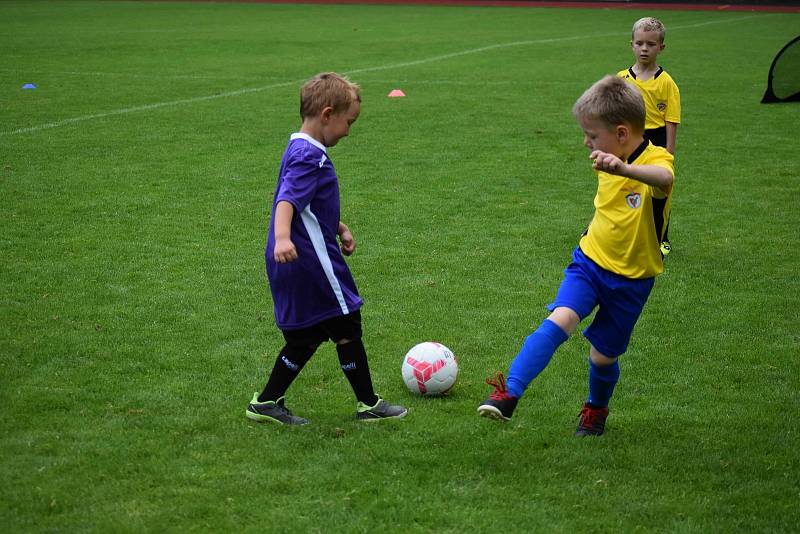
(620, 300)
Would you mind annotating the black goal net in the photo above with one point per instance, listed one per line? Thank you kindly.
(783, 83)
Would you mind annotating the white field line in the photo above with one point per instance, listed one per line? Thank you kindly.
(146, 107)
(124, 75)
(432, 59)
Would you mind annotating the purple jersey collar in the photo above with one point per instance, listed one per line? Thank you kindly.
(309, 139)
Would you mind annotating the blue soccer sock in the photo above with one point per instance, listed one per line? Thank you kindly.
(602, 380)
(534, 356)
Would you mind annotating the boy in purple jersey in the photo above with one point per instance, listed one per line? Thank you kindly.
(313, 291)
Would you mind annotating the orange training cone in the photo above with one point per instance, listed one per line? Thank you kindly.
(396, 93)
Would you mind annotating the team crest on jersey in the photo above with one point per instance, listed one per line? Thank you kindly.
(661, 106)
(634, 200)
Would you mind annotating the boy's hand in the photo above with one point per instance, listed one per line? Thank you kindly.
(603, 161)
(285, 251)
(655, 175)
(346, 239)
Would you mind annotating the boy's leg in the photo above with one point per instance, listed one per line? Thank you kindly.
(658, 136)
(539, 347)
(576, 298)
(603, 376)
(621, 304)
(353, 360)
(531, 360)
(291, 360)
(370, 407)
(666, 245)
(346, 332)
(269, 405)
(300, 346)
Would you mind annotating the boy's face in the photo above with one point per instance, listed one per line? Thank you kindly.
(597, 135)
(337, 125)
(646, 46)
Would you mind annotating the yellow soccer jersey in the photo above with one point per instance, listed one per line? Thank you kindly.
(625, 234)
(661, 97)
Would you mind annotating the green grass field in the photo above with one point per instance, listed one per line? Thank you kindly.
(135, 318)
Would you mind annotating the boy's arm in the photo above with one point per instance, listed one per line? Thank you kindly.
(648, 174)
(346, 238)
(285, 250)
(672, 133)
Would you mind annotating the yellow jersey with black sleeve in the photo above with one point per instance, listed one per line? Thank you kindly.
(630, 218)
(661, 97)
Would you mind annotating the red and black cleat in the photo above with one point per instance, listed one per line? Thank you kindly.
(592, 420)
(500, 404)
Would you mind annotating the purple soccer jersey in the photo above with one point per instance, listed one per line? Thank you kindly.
(318, 285)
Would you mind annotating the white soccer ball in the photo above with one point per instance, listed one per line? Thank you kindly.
(430, 369)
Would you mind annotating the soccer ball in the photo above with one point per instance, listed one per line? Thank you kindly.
(430, 369)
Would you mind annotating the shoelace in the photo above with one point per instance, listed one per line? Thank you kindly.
(378, 408)
(590, 417)
(499, 383)
(283, 408)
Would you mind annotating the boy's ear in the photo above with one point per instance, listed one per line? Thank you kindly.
(326, 113)
(623, 133)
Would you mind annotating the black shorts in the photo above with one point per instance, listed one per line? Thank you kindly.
(657, 136)
(336, 329)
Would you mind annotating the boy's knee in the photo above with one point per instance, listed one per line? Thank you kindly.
(566, 319)
(600, 359)
(348, 340)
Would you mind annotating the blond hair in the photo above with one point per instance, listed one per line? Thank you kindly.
(650, 24)
(613, 101)
(327, 89)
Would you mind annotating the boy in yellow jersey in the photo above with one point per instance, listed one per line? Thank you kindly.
(661, 96)
(615, 265)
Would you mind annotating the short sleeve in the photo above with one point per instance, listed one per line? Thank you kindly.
(666, 161)
(298, 183)
(673, 111)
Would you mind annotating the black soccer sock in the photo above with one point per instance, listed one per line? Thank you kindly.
(288, 365)
(353, 359)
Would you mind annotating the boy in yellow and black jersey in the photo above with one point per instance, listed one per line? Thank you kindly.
(614, 267)
(662, 98)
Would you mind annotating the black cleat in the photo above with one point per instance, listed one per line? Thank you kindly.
(381, 410)
(272, 412)
(500, 405)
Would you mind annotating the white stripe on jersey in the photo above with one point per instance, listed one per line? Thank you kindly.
(315, 233)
